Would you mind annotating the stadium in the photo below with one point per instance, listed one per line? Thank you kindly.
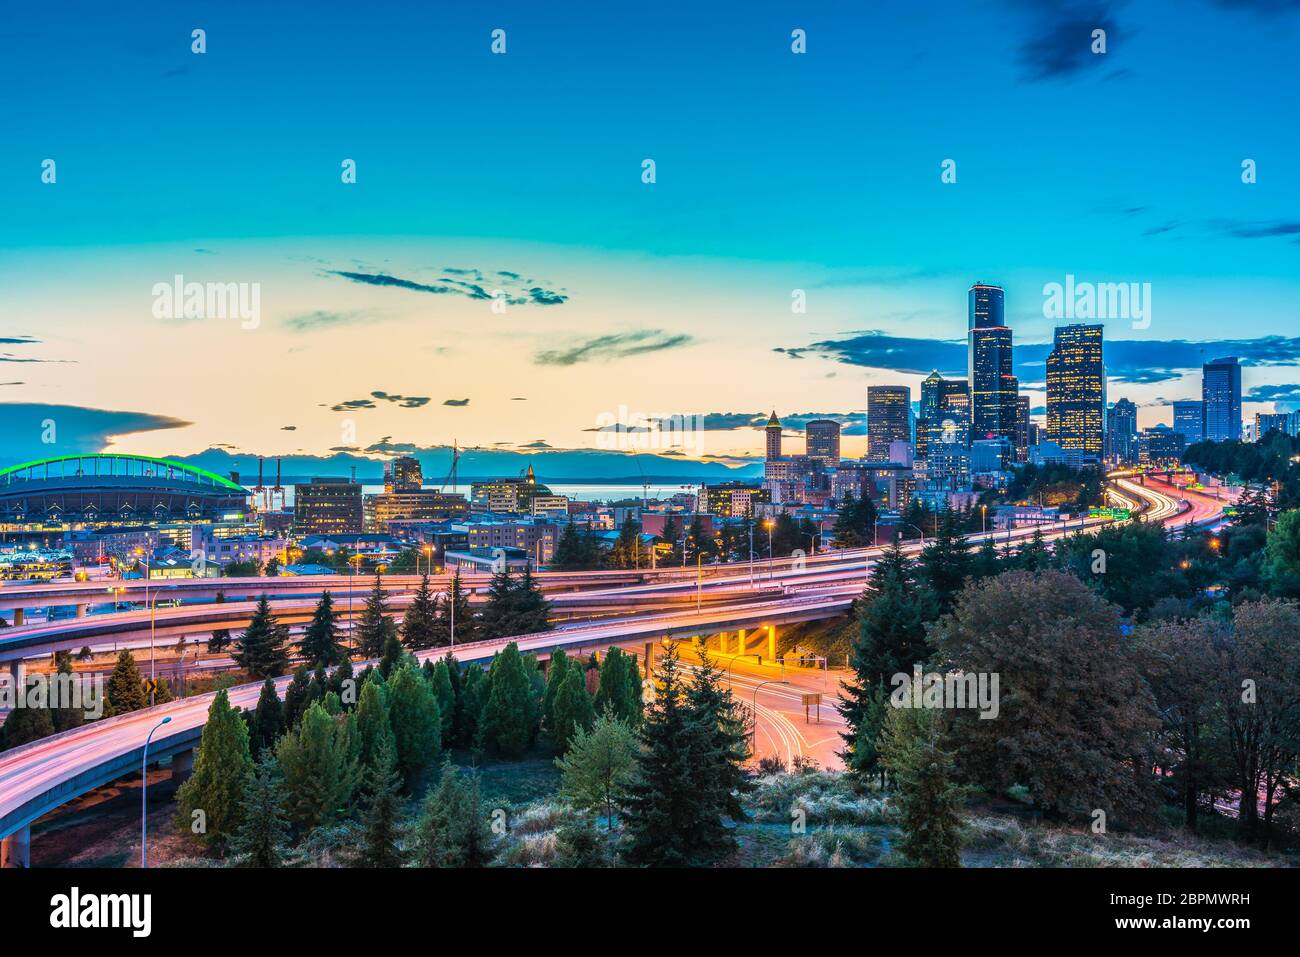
(113, 489)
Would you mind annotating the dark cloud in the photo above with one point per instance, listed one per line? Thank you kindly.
(325, 318)
(618, 345)
(18, 341)
(471, 283)
(74, 429)
(288, 428)
(455, 402)
(1286, 396)
(1138, 361)
(1058, 40)
(403, 401)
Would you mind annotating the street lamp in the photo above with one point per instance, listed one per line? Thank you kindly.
(769, 525)
(151, 605)
(144, 794)
(984, 528)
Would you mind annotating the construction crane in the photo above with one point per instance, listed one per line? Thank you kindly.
(451, 475)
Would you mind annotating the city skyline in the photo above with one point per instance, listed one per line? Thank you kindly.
(376, 332)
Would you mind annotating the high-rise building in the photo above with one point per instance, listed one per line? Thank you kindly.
(887, 419)
(328, 506)
(1266, 422)
(1221, 393)
(945, 412)
(1076, 389)
(403, 474)
(1189, 419)
(1022, 428)
(822, 438)
(773, 431)
(1122, 433)
(993, 387)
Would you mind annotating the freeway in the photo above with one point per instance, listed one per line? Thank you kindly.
(38, 777)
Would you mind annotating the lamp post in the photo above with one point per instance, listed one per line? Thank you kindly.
(751, 552)
(770, 526)
(984, 511)
(152, 674)
(144, 794)
(699, 579)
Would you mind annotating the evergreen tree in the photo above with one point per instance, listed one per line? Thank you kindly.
(722, 750)
(373, 726)
(509, 722)
(701, 543)
(420, 623)
(946, 561)
(320, 643)
(671, 536)
(125, 691)
(531, 609)
(555, 672)
(68, 717)
(392, 655)
(572, 710)
(928, 801)
(626, 552)
(473, 700)
(320, 768)
(579, 844)
(987, 562)
(855, 522)
(268, 720)
(222, 768)
(453, 829)
(454, 608)
(261, 650)
(259, 839)
(599, 766)
(25, 725)
(672, 819)
(219, 639)
(375, 626)
(497, 618)
(439, 679)
(576, 550)
(892, 617)
(343, 683)
(379, 847)
(1034, 556)
(417, 725)
(295, 698)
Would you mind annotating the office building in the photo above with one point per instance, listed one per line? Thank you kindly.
(1161, 446)
(403, 474)
(328, 506)
(822, 441)
(1221, 394)
(1266, 422)
(993, 387)
(773, 434)
(1076, 389)
(1189, 419)
(887, 419)
(1022, 428)
(1121, 433)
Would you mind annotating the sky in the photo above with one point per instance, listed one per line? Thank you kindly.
(501, 275)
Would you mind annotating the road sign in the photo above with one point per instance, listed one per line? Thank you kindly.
(812, 700)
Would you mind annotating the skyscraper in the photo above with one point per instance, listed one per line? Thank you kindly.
(773, 430)
(403, 474)
(945, 412)
(1076, 389)
(1022, 428)
(1221, 393)
(822, 437)
(992, 385)
(887, 419)
(1189, 419)
(1122, 432)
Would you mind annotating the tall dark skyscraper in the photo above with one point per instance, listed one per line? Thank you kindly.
(403, 474)
(888, 407)
(1022, 428)
(945, 412)
(773, 432)
(993, 388)
(1122, 433)
(1221, 393)
(1189, 419)
(822, 439)
(1076, 389)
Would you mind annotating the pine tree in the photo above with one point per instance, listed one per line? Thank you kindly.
(295, 698)
(373, 726)
(125, 691)
(222, 768)
(556, 670)
(531, 609)
(439, 679)
(320, 643)
(392, 655)
(417, 725)
(668, 803)
(579, 844)
(599, 766)
(420, 623)
(382, 811)
(626, 552)
(473, 699)
(25, 725)
(220, 639)
(320, 768)
(572, 710)
(946, 562)
(375, 626)
(68, 717)
(928, 801)
(454, 608)
(620, 687)
(723, 749)
(268, 720)
(508, 724)
(497, 618)
(261, 650)
(263, 829)
(987, 563)
(343, 683)
(892, 618)
(453, 830)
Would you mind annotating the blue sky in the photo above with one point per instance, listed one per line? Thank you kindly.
(775, 172)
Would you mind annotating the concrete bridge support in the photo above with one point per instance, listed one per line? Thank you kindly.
(740, 642)
(183, 764)
(722, 642)
(19, 616)
(771, 642)
(83, 611)
(18, 673)
(16, 849)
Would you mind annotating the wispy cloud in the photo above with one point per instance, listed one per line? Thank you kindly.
(619, 345)
(402, 401)
(471, 283)
(1057, 43)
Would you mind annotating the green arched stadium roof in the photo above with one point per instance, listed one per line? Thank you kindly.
(163, 463)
